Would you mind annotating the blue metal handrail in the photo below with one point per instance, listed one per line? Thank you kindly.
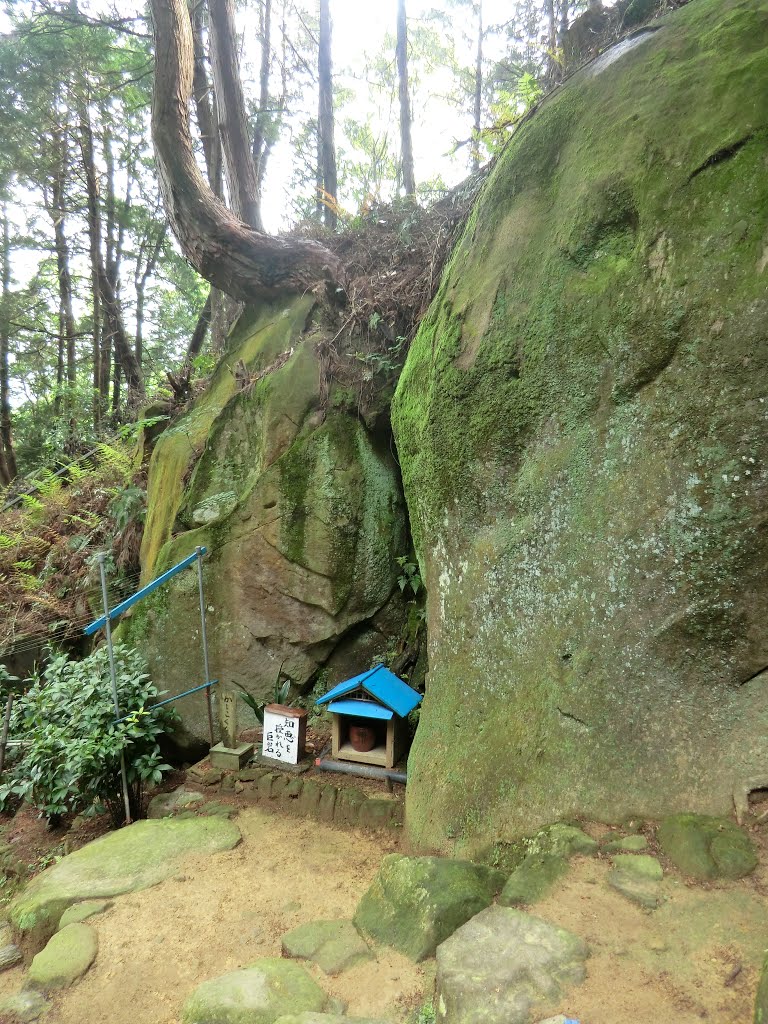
(118, 610)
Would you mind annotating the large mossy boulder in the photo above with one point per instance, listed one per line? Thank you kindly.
(298, 503)
(415, 903)
(259, 994)
(66, 957)
(581, 428)
(136, 857)
(707, 847)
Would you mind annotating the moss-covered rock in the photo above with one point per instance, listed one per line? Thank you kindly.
(637, 877)
(258, 994)
(415, 903)
(136, 857)
(706, 847)
(299, 505)
(761, 1000)
(581, 428)
(533, 880)
(66, 957)
(334, 946)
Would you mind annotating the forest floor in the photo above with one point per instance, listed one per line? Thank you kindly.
(693, 959)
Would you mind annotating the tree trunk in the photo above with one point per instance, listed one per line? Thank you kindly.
(57, 214)
(114, 333)
(478, 98)
(262, 143)
(232, 256)
(406, 143)
(201, 327)
(141, 286)
(8, 468)
(326, 146)
(233, 123)
(549, 13)
(101, 341)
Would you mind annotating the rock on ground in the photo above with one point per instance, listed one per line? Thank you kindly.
(67, 956)
(135, 857)
(82, 911)
(334, 946)
(761, 1000)
(637, 877)
(502, 966)
(259, 994)
(415, 903)
(166, 804)
(545, 864)
(25, 1006)
(627, 844)
(707, 847)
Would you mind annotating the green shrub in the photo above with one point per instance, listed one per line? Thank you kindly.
(70, 754)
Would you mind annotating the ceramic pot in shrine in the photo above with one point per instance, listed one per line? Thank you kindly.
(362, 737)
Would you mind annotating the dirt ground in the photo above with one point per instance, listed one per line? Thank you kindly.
(693, 959)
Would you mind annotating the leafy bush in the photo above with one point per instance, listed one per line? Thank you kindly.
(70, 755)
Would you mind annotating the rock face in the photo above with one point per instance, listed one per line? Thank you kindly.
(299, 505)
(414, 903)
(503, 965)
(136, 857)
(258, 994)
(706, 847)
(581, 427)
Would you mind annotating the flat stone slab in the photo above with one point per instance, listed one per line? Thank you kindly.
(415, 903)
(503, 966)
(82, 911)
(259, 994)
(27, 1005)
(135, 857)
(66, 958)
(334, 946)
(637, 876)
(166, 804)
(706, 847)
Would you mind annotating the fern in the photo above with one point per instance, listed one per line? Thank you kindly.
(114, 458)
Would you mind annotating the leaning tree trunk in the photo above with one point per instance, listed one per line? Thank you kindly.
(8, 468)
(242, 262)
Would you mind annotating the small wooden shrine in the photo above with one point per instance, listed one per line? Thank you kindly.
(369, 713)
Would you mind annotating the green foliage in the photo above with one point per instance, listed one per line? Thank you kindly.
(128, 505)
(71, 744)
(409, 578)
(279, 696)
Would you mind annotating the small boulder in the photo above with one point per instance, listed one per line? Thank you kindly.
(67, 957)
(415, 903)
(259, 994)
(627, 844)
(164, 805)
(504, 965)
(334, 946)
(637, 877)
(533, 879)
(82, 911)
(27, 1005)
(706, 847)
(565, 841)
(10, 956)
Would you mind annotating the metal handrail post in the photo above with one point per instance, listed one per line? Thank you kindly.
(113, 676)
(200, 551)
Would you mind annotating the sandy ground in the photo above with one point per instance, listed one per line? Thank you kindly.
(694, 959)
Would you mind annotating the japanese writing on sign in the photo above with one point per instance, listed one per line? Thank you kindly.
(281, 737)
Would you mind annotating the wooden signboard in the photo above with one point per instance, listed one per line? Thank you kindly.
(285, 733)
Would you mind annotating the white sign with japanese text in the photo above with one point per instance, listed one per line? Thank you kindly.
(281, 737)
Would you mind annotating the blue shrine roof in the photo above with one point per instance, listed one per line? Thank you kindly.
(380, 684)
(361, 708)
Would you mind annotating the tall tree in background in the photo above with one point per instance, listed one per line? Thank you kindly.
(233, 125)
(327, 181)
(406, 143)
(8, 468)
